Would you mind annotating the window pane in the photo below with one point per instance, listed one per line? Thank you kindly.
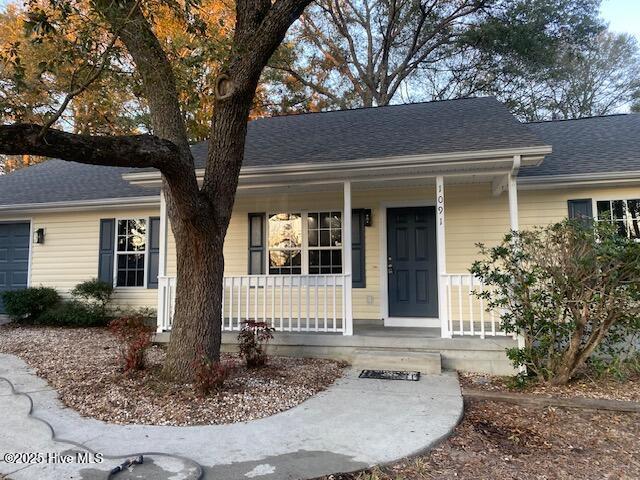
(336, 238)
(604, 210)
(314, 258)
(634, 228)
(336, 220)
(634, 208)
(618, 209)
(336, 259)
(313, 238)
(325, 238)
(622, 228)
(122, 278)
(285, 230)
(313, 221)
(325, 257)
(122, 227)
(325, 220)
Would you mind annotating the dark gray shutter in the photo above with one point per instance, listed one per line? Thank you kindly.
(105, 250)
(154, 252)
(256, 243)
(357, 249)
(581, 210)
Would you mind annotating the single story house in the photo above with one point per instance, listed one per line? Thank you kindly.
(351, 229)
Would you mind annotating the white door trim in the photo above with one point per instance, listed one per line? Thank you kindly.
(384, 286)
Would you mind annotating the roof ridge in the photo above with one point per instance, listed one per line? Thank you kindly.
(590, 117)
(296, 114)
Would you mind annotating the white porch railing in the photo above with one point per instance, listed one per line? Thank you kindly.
(468, 314)
(292, 303)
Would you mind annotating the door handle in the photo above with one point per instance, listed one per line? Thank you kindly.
(389, 266)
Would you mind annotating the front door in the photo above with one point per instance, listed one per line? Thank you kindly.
(14, 257)
(412, 262)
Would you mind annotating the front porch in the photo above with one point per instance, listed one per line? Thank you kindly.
(458, 353)
(303, 305)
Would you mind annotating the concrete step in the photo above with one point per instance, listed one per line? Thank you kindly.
(385, 359)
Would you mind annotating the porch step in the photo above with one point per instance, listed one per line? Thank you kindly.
(386, 359)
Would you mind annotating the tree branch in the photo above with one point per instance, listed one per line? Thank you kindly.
(136, 151)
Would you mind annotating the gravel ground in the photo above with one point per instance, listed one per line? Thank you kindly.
(82, 365)
(502, 441)
(584, 386)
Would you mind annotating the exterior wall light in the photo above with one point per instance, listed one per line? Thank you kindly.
(38, 236)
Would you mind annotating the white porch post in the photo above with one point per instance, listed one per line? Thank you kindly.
(346, 260)
(443, 311)
(162, 264)
(513, 212)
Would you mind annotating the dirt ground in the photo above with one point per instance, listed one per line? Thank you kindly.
(497, 441)
(587, 385)
(83, 365)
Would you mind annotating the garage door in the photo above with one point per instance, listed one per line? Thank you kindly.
(14, 257)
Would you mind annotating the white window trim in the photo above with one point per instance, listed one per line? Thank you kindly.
(116, 254)
(595, 200)
(304, 248)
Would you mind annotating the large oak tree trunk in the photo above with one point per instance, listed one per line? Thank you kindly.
(197, 320)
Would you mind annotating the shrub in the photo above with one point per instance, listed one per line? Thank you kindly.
(569, 290)
(94, 291)
(74, 314)
(210, 375)
(134, 337)
(252, 342)
(28, 304)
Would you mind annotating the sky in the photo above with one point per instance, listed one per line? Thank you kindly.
(622, 15)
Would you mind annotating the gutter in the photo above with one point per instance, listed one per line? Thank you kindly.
(578, 180)
(79, 205)
(535, 154)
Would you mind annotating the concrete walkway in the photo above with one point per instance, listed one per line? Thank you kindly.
(354, 424)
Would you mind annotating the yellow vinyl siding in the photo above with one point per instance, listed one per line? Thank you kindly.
(69, 254)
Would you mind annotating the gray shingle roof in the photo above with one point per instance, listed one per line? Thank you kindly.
(601, 144)
(589, 145)
(420, 128)
(59, 181)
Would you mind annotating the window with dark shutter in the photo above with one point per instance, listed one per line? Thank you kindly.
(106, 250)
(581, 210)
(256, 243)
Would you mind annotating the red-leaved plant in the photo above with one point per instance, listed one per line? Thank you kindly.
(134, 337)
(252, 342)
(209, 375)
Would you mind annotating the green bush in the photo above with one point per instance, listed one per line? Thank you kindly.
(74, 314)
(572, 292)
(28, 305)
(95, 291)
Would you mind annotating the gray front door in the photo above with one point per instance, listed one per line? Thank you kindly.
(14, 257)
(412, 262)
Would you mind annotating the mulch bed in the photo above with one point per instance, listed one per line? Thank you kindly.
(83, 366)
(503, 441)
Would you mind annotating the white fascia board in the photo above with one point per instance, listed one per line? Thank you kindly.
(531, 156)
(579, 180)
(80, 205)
